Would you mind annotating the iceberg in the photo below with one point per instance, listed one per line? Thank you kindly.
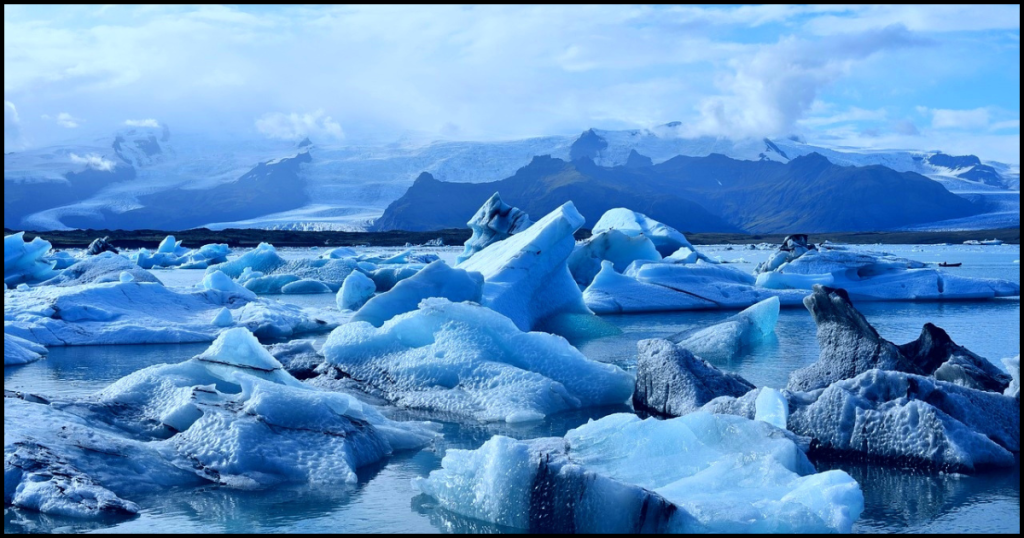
(622, 475)
(526, 277)
(99, 246)
(672, 382)
(1013, 366)
(468, 361)
(850, 346)
(666, 287)
(355, 291)
(306, 287)
(299, 358)
(62, 260)
(263, 259)
(436, 280)
(613, 246)
(666, 239)
(386, 278)
(726, 340)
(18, 351)
(341, 253)
(495, 221)
(143, 313)
(875, 277)
(25, 262)
(205, 256)
(231, 417)
(300, 277)
(101, 269)
(218, 281)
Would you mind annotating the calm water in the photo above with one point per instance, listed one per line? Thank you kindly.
(898, 501)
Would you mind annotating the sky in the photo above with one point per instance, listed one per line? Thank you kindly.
(887, 77)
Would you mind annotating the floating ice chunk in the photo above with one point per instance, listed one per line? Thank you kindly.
(665, 238)
(772, 407)
(172, 246)
(495, 221)
(436, 280)
(205, 256)
(18, 351)
(218, 281)
(99, 246)
(1013, 366)
(697, 474)
(357, 289)
(850, 346)
(100, 269)
(340, 253)
(239, 349)
(730, 338)
(613, 246)
(223, 318)
(62, 260)
(25, 263)
(663, 287)
(266, 285)
(469, 361)
(263, 259)
(141, 313)
(306, 287)
(386, 278)
(526, 277)
(672, 382)
(684, 256)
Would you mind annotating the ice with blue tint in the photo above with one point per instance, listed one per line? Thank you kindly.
(355, 291)
(62, 260)
(172, 246)
(772, 407)
(698, 474)
(730, 338)
(526, 277)
(668, 287)
(341, 253)
(230, 417)
(436, 280)
(612, 246)
(1013, 366)
(18, 351)
(468, 361)
(494, 221)
(263, 259)
(205, 256)
(101, 269)
(666, 239)
(306, 287)
(272, 275)
(868, 276)
(25, 262)
(388, 277)
(145, 313)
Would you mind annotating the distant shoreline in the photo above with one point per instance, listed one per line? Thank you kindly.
(251, 238)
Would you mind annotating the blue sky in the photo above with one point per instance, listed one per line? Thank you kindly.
(912, 77)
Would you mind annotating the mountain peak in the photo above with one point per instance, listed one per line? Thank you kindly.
(589, 144)
(636, 160)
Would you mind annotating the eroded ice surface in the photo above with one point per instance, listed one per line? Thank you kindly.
(494, 221)
(473, 363)
(613, 246)
(728, 339)
(435, 280)
(25, 262)
(666, 239)
(355, 291)
(18, 351)
(697, 474)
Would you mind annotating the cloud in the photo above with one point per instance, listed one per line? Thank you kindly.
(142, 123)
(906, 128)
(978, 118)
(770, 90)
(296, 126)
(67, 121)
(93, 161)
(12, 127)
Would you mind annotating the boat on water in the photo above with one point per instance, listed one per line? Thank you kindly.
(944, 264)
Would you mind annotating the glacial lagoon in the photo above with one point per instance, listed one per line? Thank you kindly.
(383, 501)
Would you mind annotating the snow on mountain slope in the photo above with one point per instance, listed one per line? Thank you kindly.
(98, 183)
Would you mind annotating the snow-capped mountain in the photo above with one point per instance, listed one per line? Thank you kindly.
(150, 177)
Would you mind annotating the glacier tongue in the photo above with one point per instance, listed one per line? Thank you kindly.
(698, 474)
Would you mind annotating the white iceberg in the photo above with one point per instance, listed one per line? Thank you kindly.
(666, 239)
(666, 287)
(613, 246)
(142, 313)
(771, 406)
(726, 340)
(471, 362)
(231, 417)
(876, 277)
(205, 256)
(495, 221)
(263, 259)
(218, 281)
(355, 291)
(18, 351)
(621, 475)
(436, 280)
(26, 263)
(100, 269)
(1013, 366)
(526, 277)
(300, 277)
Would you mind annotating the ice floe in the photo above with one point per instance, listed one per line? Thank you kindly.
(18, 351)
(730, 338)
(25, 262)
(612, 246)
(666, 239)
(494, 222)
(468, 361)
(697, 474)
(355, 291)
(1013, 366)
(436, 280)
(100, 269)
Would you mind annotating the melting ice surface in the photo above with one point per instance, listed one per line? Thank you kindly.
(383, 500)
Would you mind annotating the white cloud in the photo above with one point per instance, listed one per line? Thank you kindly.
(12, 127)
(142, 123)
(68, 121)
(93, 161)
(295, 126)
(978, 118)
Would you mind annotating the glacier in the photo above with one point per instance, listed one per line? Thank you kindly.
(470, 362)
(494, 222)
(697, 474)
